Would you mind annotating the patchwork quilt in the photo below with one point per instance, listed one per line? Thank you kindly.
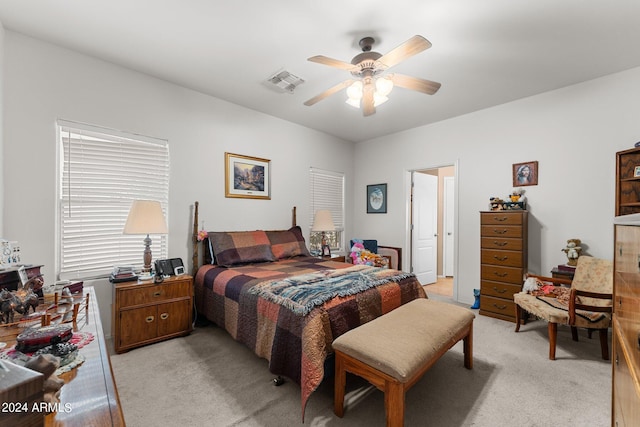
(254, 303)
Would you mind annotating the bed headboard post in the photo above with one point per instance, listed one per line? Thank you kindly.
(293, 219)
(194, 260)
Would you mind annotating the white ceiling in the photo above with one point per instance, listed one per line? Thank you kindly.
(485, 52)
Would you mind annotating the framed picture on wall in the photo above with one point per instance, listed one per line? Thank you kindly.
(377, 198)
(247, 177)
(525, 174)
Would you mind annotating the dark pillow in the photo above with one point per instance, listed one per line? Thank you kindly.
(288, 243)
(240, 247)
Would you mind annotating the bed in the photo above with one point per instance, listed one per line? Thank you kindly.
(285, 305)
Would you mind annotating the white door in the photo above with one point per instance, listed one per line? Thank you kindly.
(447, 227)
(424, 236)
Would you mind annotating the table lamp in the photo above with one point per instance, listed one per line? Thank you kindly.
(146, 217)
(323, 222)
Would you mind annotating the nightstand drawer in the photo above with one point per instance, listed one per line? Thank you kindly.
(155, 293)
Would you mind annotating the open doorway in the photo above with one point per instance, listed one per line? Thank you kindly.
(432, 228)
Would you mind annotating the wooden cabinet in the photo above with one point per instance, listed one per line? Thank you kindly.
(503, 261)
(628, 182)
(625, 389)
(146, 312)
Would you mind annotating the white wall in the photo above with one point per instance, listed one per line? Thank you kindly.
(44, 82)
(573, 133)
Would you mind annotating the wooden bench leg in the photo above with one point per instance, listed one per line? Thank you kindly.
(394, 403)
(468, 348)
(518, 316)
(340, 383)
(553, 337)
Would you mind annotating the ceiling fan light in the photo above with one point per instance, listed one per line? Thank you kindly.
(384, 86)
(354, 91)
(379, 99)
(353, 102)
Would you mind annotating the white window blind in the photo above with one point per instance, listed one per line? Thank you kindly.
(101, 173)
(327, 192)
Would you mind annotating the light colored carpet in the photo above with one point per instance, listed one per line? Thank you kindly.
(209, 379)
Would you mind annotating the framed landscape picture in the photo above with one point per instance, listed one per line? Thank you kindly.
(247, 177)
(377, 198)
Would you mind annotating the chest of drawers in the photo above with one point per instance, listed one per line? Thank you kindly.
(145, 313)
(626, 325)
(503, 261)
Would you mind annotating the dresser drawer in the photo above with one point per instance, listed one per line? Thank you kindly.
(502, 274)
(501, 231)
(502, 258)
(501, 243)
(503, 307)
(154, 293)
(501, 218)
(499, 289)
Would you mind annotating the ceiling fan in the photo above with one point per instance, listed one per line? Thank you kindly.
(371, 86)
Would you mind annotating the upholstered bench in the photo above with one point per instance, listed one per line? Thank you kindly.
(393, 351)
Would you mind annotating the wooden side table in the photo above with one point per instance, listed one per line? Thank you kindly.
(556, 273)
(337, 258)
(145, 312)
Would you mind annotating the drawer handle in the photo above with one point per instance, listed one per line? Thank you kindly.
(164, 316)
(157, 294)
(495, 230)
(149, 319)
(499, 274)
(500, 291)
(499, 307)
(504, 218)
(500, 243)
(501, 258)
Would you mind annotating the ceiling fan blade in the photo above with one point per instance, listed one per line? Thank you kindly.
(328, 92)
(414, 83)
(368, 107)
(336, 63)
(414, 45)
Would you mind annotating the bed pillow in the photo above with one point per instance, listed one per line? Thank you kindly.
(288, 243)
(240, 247)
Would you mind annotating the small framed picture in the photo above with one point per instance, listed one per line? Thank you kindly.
(247, 177)
(636, 171)
(377, 198)
(525, 174)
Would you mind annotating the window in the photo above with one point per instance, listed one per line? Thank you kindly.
(101, 172)
(327, 192)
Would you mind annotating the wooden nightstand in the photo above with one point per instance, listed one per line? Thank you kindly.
(145, 312)
(337, 258)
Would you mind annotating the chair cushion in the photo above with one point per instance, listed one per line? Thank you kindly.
(543, 310)
(400, 342)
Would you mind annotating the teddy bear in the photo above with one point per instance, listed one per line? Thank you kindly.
(573, 251)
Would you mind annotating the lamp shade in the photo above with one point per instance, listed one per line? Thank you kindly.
(323, 221)
(145, 217)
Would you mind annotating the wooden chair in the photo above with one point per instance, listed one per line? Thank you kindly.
(589, 304)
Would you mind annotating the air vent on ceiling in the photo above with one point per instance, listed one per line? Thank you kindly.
(284, 81)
